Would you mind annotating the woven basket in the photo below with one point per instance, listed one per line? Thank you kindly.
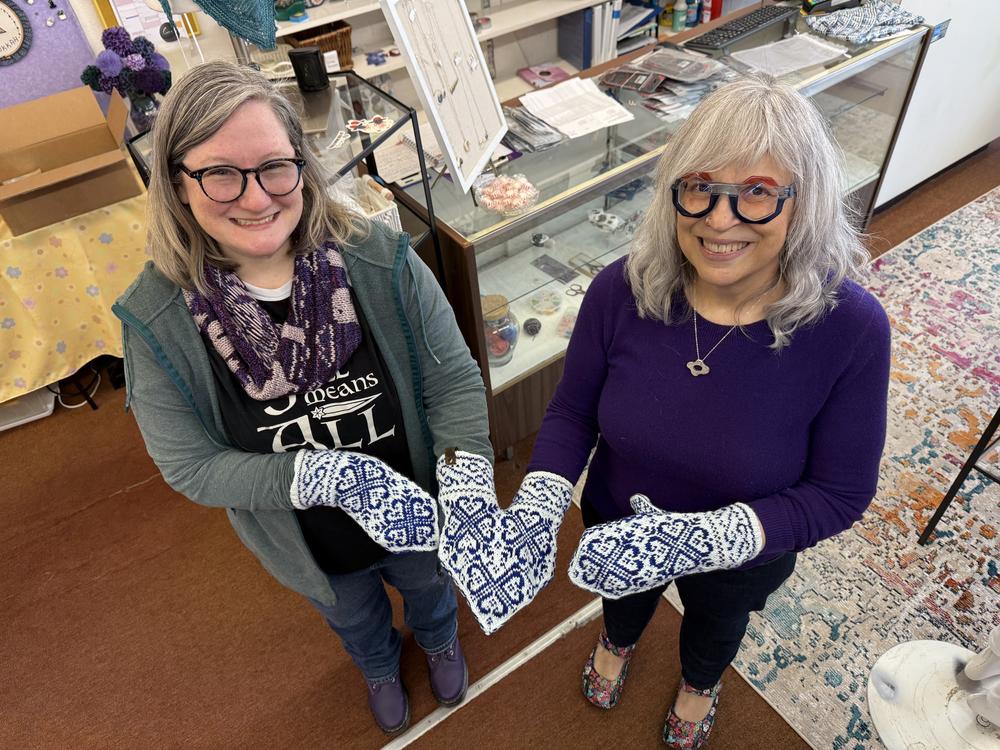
(330, 37)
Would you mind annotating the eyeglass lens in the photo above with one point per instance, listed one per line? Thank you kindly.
(225, 184)
(754, 201)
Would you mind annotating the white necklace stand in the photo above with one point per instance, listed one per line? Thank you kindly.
(929, 695)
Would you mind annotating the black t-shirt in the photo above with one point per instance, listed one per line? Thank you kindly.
(358, 410)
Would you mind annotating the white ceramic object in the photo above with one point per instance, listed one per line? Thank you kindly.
(917, 703)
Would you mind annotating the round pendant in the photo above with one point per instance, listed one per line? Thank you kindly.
(697, 367)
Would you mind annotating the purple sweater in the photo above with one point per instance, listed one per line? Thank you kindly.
(796, 434)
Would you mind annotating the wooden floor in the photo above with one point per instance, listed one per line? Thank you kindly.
(132, 618)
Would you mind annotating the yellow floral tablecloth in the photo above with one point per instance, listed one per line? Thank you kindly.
(57, 285)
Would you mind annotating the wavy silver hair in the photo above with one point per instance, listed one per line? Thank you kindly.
(739, 124)
(194, 110)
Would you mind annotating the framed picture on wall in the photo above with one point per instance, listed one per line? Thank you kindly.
(15, 33)
(145, 18)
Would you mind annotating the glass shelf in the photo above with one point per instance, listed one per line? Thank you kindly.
(560, 172)
(533, 268)
(326, 117)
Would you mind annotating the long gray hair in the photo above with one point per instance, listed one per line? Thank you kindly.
(739, 124)
(194, 110)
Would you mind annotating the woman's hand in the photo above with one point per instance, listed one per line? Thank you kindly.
(393, 510)
(654, 547)
(499, 559)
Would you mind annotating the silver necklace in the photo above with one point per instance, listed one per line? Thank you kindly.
(698, 366)
(472, 61)
(441, 93)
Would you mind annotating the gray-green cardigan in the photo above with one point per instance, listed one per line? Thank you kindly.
(171, 390)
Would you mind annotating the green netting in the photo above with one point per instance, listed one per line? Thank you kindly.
(252, 20)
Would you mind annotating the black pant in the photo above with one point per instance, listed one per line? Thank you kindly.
(717, 609)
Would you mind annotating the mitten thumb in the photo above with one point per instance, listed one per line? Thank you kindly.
(642, 504)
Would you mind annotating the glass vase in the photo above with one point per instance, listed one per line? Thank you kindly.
(143, 112)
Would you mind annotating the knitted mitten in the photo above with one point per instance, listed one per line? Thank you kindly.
(653, 547)
(393, 510)
(499, 559)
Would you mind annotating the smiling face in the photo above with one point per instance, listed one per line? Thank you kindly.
(734, 260)
(255, 228)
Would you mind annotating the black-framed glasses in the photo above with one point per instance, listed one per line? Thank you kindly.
(224, 183)
(751, 202)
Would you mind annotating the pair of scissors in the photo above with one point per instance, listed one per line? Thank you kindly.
(575, 290)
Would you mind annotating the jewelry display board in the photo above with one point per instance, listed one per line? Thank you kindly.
(452, 80)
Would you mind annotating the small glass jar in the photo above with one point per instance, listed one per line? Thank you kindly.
(501, 328)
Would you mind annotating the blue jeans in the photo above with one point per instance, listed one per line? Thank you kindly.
(362, 615)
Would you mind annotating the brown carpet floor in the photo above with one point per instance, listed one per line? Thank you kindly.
(132, 618)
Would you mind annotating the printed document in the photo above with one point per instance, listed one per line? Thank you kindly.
(575, 107)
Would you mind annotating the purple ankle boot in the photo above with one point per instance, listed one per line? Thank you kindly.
(389, 704)
(448, 674)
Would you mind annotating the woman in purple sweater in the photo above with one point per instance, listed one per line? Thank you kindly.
(733, 376)
(731, 373)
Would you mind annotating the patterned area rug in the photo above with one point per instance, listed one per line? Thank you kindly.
(854, 597)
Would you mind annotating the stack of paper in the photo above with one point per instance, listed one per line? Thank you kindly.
(398, 160)
(576, 107)
(794, 53)
(636, 28)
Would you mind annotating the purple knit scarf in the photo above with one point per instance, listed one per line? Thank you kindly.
(270, 360)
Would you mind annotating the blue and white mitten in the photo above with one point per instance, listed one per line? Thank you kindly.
(499, 559)
(393, 510)
(653, 547)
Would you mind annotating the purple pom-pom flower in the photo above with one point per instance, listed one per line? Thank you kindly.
(91, 76)
(107, 83)
(148, 81)
(134, 62)
(117, 40)
(142, 46)
(158, 62)
(109, 63)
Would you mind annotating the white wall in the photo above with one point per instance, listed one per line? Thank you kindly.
(955, 107)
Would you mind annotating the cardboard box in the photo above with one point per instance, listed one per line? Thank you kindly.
(60, 157)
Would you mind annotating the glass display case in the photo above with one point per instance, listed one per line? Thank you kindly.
(344, 123)
(516, 282)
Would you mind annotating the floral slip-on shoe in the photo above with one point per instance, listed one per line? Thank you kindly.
(600, 691)
(691, 735)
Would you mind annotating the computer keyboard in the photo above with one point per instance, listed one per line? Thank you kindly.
(740, 28)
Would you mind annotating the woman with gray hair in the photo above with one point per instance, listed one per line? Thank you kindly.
(279, 364)
(733, 375)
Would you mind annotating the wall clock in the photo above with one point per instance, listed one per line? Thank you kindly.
(15, 33)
